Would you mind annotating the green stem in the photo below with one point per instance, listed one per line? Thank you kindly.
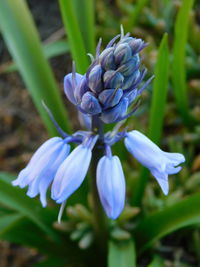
(100, 224)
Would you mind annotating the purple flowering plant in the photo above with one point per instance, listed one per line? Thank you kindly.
(107, 93)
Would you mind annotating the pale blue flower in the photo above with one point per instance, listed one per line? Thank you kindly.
(72, 171)
(111, 185)
(42, 167)
(160, 163)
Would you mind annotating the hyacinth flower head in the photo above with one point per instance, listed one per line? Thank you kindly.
(106, 93)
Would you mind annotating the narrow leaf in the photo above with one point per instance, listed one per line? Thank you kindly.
(50, 50)
(121, 254)
(178, 64)
(22, 39)
(159, 224)
(85, 14)
(134, 15)
(72, 28)
(15, 199)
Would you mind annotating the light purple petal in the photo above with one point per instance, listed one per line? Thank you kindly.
(71, 173)
(41, 183)
(160, 163)
(68, 86)
(25, 176)
(111, 185)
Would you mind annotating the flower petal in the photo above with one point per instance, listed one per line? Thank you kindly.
(71, 173)
(68, 86)
(111, 185)
(41, 183)
(25, 176)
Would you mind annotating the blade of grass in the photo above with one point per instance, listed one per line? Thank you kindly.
(75, 39)
(157, 110)
(85, 13)
(159, 224)
(22, 39)
(50, 50)
(134, 15)
(178, 64)
(121, 254)
(15, 199)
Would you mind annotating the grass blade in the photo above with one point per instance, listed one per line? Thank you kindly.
(121, 254)
(134, 15)
(15, 199)
(75, 39)
(50, 50)
(178, 64)
(157, 110)
(23, 42)
(159, 224)
(85, 14)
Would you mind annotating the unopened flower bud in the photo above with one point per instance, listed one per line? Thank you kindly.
(95, 79)
(112, 79)
(122, 53)
(136, 45)
(112, 114)
(107, 60)
(90, 104)
(128, 68)
(81, 89)
(110, 97)
(129, 81)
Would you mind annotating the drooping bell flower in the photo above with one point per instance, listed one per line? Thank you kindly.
(42, 167)
(160, 163)
(111, 185)
(72, 171)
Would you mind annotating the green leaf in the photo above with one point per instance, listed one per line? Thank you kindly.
(161, 223)
(135, 14)
(50, 50)
(74, 35)
(7, 221)
(157, 110)
(15, 199)
(178, 64)
(85, 14)
(156, 262)
(121, 254)
(22, 39)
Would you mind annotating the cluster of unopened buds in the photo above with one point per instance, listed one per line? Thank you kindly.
(102, 95)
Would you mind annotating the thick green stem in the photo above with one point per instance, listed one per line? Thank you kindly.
(100, 224)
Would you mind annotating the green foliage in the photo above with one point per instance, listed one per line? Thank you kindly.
(161, 223)
(121, 254)
(23, 42)
(178, 64)
(76, 42)
(16, 200)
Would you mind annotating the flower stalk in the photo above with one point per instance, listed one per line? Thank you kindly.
(99, 219)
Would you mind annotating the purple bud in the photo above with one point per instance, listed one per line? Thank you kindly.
(122, 53)
(110, 97)
(90, 104)
(81, 89)
(129, 67)
(112, 114)
(112, 79)
(95, 79)
(69, 88)
(136, 45)
(129, 81)
(107, 59)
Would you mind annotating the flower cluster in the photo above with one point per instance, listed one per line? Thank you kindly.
(103, 95)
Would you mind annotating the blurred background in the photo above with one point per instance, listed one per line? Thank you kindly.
(169, 112)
